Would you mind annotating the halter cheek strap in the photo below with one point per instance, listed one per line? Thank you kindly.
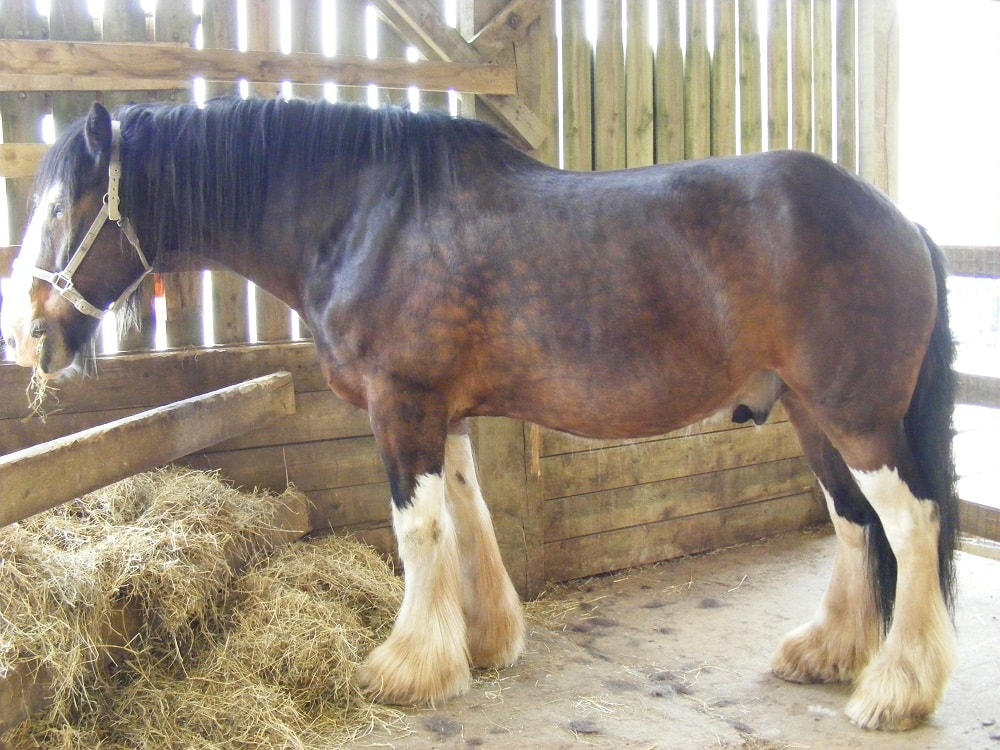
(62, 281)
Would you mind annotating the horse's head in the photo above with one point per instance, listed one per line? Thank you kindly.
(79, 257)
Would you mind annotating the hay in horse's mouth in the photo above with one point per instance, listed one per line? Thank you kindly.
(264, 657)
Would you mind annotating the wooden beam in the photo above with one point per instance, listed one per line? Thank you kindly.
(509, 25)
(421, 21)
(80, 66)
(978, 390)
(44, 476)
(21, 159)
(966, 260)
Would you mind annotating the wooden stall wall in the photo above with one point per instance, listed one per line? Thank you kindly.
(635, 84)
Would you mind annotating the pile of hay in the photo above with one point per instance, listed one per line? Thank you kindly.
(233, 647)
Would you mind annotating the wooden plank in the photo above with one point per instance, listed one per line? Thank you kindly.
(640, 545)
(423, 22)
(151, 379)
(669, 76)
(878, 94)
(43, 66)
(555, 443)
(639, 106)
(86, 461)
(577, 54)
(723, 90)
(624, 507)
(609, 88)
(697, 84)
(802, 76)
(508, 26)
(309, 466)
(319, 415)
(823, 62)
(966, 260)
(847, 81)
(579, 473)
(20, 113)
(751, 106)
(978, 390)
(21, 159)
(777, 75)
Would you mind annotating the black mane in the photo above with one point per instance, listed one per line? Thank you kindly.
(192, 174)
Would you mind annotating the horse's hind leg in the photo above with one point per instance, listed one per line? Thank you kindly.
(425, 657)
(493, 616)
(907, 678)
(845, 631)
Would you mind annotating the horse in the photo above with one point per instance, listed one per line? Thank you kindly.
(444, 275)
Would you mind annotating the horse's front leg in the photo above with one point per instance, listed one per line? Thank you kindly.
(425, 658)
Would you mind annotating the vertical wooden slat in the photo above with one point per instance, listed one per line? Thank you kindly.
(609, 88)
(802, 129)
(847, 83)
(669, 124)
(182, 292)
(777, 75)
(307, 36)
(724, 79)
(229, 290)
(822, 43)
(751, 135)
(20, 113)
(264, 33)
(639, 112)
(577, 58)
(70, 21)
(125, 21)
(697, 84)
(878, 89)
(351, 41)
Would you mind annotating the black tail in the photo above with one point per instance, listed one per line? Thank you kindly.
(929, 432)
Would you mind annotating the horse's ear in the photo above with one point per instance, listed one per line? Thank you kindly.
(98, 131)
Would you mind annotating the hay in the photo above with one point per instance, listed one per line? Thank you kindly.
(221, 660)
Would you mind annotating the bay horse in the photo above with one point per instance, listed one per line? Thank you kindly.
(444, 275)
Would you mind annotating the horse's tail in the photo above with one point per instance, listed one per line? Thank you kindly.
(929, 432)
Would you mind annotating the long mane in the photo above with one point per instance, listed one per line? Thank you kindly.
(191, 174)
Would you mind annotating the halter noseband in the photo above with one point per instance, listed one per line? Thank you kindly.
(62, 281)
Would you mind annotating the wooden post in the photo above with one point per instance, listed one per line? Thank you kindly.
(751, 136)
(20, 112)
(847, 81)
(578, 56)
(802, 115)
(724, 79)
(697, 84)
(609, 88)
(669, 76)
(46, 475)
(822, 55)
(878, 87)
(639, 107)
(777, 75)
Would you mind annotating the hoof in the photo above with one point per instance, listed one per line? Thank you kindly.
(812, 653)
(498, 641)
(403, 672)
(895, 695)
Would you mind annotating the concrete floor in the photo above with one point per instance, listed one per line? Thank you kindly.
(675, 656)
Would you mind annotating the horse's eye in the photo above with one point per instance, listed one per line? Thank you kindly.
(56, 211)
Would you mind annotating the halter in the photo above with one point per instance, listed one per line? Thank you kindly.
(62, 281)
